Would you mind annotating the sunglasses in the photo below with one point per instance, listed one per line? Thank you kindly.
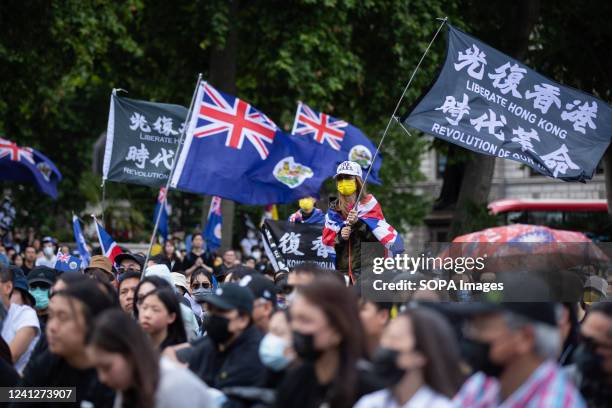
(198, 285)
(121, 270)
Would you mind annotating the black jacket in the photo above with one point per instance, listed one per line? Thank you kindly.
(238, 365)
(50, 370)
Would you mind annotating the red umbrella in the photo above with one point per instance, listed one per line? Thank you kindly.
(523, 247)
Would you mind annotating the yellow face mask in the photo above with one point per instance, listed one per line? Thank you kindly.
(347, 187)
(306, 204)
(590, 296)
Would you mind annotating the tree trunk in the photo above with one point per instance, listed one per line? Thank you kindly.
(607, 165)
(451, 180)
(478, 174)
(222, 75)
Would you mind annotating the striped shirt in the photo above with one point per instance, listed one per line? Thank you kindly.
(546, 387)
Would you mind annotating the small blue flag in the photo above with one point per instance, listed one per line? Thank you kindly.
(163, 218)
(80, 241)
(212, 234)
(67, 262)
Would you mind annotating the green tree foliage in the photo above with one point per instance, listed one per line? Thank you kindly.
(60, 60)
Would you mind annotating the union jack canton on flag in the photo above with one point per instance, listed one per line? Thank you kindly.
(234, 151)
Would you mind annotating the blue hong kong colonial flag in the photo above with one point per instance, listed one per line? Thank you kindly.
(234, 151)
(67, 262)
(212, 234)
(24, 164)
(490, 103)
(162, 204)
(80, 241)
(343, 139)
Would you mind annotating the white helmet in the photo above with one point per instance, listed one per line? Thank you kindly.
(349, 168)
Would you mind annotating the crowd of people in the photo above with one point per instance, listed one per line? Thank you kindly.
(202, 329)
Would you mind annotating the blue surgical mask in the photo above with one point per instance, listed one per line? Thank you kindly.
(41, 296)
(272, 352)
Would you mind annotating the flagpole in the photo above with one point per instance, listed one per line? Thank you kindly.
(398, 105)
(165, 198)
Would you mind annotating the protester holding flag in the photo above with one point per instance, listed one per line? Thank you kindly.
(349, 224)
(308, 213)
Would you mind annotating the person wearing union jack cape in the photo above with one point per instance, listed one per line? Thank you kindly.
(349, 224)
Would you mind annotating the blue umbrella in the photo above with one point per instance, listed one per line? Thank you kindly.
(26, 165)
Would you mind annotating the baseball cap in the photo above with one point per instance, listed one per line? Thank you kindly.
(349, 168)
(596, 283)
(100, 262)
(138, 258)
(260, 286)
(46, 240)
(232, 296)
(42, 274)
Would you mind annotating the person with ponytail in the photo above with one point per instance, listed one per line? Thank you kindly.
(348, 224)
(127, 361)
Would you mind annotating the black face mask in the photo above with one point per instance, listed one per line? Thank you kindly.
(217, 328)
(385, 366)
(588, 361)
(303, 344)
(476, 354)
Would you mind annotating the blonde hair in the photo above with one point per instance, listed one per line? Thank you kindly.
(343, 202)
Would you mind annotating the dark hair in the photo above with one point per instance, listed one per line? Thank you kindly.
(116, 332)
(339, 304)
(6, 274)
(155, 281)
(198, 272)
(69, 278)
(435, 339)
(310, 268)
(239, 271)
(93, 299)
(602, 307)
(127, 275)
(161, 259)
(176, 330)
